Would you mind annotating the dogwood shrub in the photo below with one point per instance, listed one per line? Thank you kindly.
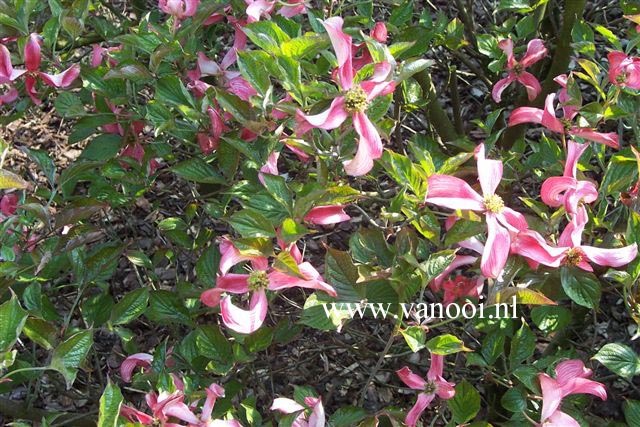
(297, 213)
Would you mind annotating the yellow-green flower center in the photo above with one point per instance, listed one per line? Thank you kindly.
(566, 123)
(494, 203)
(258, 280)
(517, 69)
(355, 100)
(621, 78)
(574, 256)
(431, 387)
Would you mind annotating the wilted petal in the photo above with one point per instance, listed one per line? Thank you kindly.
(30, 86)
(241, 88)
(134, 415)
(574, 151)
(379, 32)
(63, 79)
(410, 379)
(489, 172)
(496, 249)
(453, 193)
(258, 8)
(415, 413)
(317, 417)
(369, 146)
(507, 47)
(132, 362)
(178, 409)
(271, 167)
(286, 406)
(8, 204)
(436, 369)
(329, 119)
(611, 257)
(549, 119)
(535, 52)
(446, 390)
(583, 192)
(32, 55)
(342, 45)
(325, 215)
(7, 73)
(500, 86)
(552, 190)
(214, 391)
(607, 138)
(10, 96)
(531, 84)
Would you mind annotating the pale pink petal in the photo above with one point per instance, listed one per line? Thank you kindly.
(10, 96)
(258, 8)
(507, 47)
(325, 215)
(32, 55)
(500, 86)
(585, 386)
(552, 190)
(415, 413)
(571, 369)
(606, 138)
(224, 423)
(207, 67)
(317, 417)
(410, 379)
(342, 45)
(525, 115)
(292, 9)
(549, 119)
(63, 79)
(329, 119)
(535, 52)
(572, 234)
(179, 410)
(243, 321)
(531, 84)
(7, 72)
(574, 151)
(551, 395)
(489, 172)
(312, 280)
(375, 89)
(241, 88)
(512, 220)
(379, 32)
(453, 193)
(214, 391)
(436, 369)
(532, 245)
(286, 406)
(132, 362)
(496, 248)
(271, 167)
(560, 419)
(611, 257)
(369, 146)
(583, 192)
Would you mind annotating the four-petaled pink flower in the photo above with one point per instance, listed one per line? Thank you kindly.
(572, 377)
(564, 126)
(289, 406)
(352, 103)
(434, 385)
(454, 193)
(624, 70)
(516, 69)
(127, 367)
(258, 281)
(32, 60)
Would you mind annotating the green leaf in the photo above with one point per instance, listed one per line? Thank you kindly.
(266, 35)
(404, 172)
(523, 345)
(619, 358)
(277, 187)
(215, 347)
(444, 345)
(347, 416)
(514, 400)
(41, 332)
(551, 318)
(437, 263)
(12, 319)
(171, 90)
(139, 259)
(465, 404)
(582, 287)
(305, 46)
(198, 170)
(342, 274)
(401, 14)
(251, 65)
(110, 404)
(166, 307)
(415, 336)
(632, 412)
(69, 355)
(69, 105)
(291, 231)
(259, 340)
(130, 307)
(9, 180)
(102, 147)
(250, 223)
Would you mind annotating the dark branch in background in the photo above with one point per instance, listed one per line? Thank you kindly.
(455, 100)
(436, 115)
(573, 9)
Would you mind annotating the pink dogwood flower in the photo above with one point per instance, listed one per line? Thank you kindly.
(624, 70)
(209, 142)
(127, 367)
(289, 406)
(570, 250)
(378, 33)
(258, 281)
(434, 385)
(460, 287)
(564, 126)
(9, 204)
(99, 53)
(291, 8)
(353, 103)
(33, 59)
(454, 193)
(566, 190)
(516, 69)
(179, 9)
(572, 377)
